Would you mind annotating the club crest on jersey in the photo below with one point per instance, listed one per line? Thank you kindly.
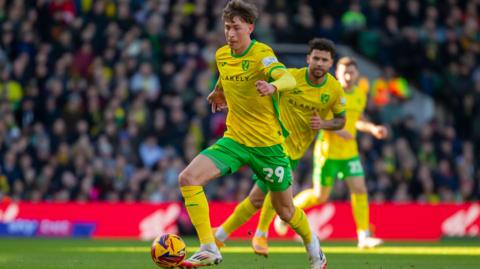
(268, 61)
(245, 65)
(324, 98)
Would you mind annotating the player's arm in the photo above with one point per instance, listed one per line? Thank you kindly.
(216, 98)
(282, 80)
(337, 123)
(378, 131)
(338, 110)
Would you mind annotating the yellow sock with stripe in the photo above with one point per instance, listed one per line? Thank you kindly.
(197, 208)
(242, 213)
(266, 216)
(305, 199)
(360, 210)
(299, 223)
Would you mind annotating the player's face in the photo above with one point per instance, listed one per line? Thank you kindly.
(319, 62)
(237, 33)
(347, 75)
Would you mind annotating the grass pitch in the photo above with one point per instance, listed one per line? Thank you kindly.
(104, 254)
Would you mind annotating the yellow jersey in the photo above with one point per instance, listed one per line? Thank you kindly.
(251, 119)
(298, 105)
(333, 146)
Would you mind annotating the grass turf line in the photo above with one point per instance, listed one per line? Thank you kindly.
(78, 254)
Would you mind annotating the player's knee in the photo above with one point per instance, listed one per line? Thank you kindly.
(285, 213)
(257, 202)
(186, 178)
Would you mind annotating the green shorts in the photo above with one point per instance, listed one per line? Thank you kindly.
(270, 164)
(331, 169)
(261, 184)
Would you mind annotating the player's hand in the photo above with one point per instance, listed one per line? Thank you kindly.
(344, 134)
(316, 123)
(264, 88)
(217, 100)
(379, 131)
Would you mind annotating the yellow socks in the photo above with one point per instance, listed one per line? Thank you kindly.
(299, 223)
(305, 199)
(197, 207)
(360, 211)
(243, 212)
(266, 215)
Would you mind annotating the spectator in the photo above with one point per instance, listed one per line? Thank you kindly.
(150, 152)
(145, 80)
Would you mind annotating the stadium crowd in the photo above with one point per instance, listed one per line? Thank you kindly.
(105, 99)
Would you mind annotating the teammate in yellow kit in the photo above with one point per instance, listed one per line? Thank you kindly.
(336, 156)
(304, 111)
(254, 135)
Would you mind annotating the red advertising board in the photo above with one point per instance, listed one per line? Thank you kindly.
(145, 221)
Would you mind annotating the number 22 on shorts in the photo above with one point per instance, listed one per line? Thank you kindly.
(279, 172)
(355, 166)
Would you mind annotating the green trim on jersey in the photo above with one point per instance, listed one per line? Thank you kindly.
(276, 108)
(245, 52)
(270, 79)
(341, 114)
(311, 83)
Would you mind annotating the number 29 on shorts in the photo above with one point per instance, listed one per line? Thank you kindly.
(279, 173)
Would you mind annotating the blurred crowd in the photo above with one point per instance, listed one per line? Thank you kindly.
(105, 100)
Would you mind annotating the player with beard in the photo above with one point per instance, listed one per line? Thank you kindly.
(336, 157)
(316, 103)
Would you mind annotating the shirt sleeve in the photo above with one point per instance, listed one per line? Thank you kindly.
(268, 62)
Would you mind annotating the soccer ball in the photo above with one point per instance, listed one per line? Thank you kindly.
(168, 250)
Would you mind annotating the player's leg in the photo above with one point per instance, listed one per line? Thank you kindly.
(322, 167)
(296, 218)
(242, 213)
(323, 180)
(355, 180)
(191, 181)
(267, 215)
(223, 157)
(259, 240)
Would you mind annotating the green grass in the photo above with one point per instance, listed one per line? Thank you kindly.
(91, 254)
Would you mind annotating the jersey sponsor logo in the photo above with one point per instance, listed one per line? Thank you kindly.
(245, 65)
(343, 101)
(235, 78)
(297, 91)
(324, 98)
(267, 61)
(222, 64)
(301, 106)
